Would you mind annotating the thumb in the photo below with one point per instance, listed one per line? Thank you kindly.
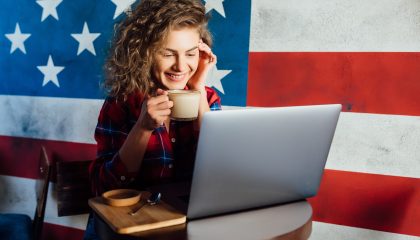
(161, 92)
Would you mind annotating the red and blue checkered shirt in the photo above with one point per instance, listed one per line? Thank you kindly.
(168, 157)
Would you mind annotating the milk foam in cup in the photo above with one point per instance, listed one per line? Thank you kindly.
(186, 104)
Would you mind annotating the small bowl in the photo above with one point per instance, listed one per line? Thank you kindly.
(121, 197)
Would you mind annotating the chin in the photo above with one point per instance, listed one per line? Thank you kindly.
(171, 85)
(175, 86)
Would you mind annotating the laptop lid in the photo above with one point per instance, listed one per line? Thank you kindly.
(252, 158)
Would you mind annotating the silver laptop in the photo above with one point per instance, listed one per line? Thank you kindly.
(251, 158)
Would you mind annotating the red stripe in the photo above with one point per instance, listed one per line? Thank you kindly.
(372, 201)
(53, 232)
(19, 156)
(387, 83)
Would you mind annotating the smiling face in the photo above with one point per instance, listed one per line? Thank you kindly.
(177, 60)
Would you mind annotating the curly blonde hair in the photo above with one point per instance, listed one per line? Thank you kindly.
(129, 65)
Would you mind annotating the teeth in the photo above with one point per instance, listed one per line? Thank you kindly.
(176, 76)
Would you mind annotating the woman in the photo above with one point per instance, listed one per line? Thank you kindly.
(162, 45)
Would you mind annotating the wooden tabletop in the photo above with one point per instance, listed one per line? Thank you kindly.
(283, 222)
(147, 217)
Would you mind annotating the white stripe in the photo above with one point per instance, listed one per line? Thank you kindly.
(18, 196)
(335, 25)
(65, 119)
(377, 143)
(326, 231)
(370, 143)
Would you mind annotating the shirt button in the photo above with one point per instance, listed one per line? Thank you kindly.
(173, 140)
(170, 165)
(122, 178)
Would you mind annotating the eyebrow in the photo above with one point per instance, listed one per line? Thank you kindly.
(172, 50)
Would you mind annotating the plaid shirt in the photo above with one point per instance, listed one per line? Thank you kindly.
(168, 156)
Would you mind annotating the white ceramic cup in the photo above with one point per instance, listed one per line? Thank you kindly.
(186, 103)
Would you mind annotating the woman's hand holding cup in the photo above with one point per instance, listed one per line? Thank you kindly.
(155, 110)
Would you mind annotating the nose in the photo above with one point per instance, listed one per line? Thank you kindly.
(181, 64)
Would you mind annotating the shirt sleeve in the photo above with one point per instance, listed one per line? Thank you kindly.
(107, 171)
(213, 99)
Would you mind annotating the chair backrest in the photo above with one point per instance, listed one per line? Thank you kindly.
(73, 188)
(42, 185)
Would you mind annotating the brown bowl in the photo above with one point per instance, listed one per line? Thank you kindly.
(121, 197)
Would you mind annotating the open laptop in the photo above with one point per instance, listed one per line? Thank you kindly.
(251, 158)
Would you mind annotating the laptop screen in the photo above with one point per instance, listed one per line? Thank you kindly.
(251, 158)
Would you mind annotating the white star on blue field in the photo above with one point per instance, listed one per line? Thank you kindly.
(57, 48)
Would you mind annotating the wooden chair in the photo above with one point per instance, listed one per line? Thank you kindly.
(20, 226)
(73, 187)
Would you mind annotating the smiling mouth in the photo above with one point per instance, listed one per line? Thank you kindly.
(176, 77)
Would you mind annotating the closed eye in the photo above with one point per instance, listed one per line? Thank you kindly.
(168, 54)
(192, 52)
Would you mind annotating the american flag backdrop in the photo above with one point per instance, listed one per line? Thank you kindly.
(362, 54)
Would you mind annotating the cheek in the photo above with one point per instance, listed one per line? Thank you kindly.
(157, 72)
(159, 67)
(155, 69)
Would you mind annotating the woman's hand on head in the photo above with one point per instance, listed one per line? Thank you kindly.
(155, 110)
(206, 62)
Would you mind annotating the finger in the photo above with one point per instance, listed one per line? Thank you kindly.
(205, 48)
(209, 55)
(213, 58)
(157, 100)
(163, 113)
(160, 91)
(210, 59)
(164, 105)
(160, 116)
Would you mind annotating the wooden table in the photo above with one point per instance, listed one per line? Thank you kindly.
(283, 222)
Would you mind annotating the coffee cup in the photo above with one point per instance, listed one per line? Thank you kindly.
(186, 103)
